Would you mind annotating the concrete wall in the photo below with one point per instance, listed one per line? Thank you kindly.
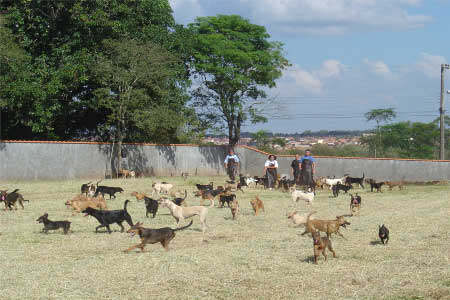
(56, 161)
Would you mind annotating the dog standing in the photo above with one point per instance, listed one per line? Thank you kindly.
(159, 187)
(358, 180)
(151, 206)
(180, 213)
(234, 208)
(53, 225)
(153, 236)
(355, 204)
(226, 198)
(376, 185)
(320, 246)
(257, 205)
(383, 234)
(338, 187)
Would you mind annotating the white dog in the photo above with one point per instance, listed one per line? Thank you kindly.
(180, 213)
(298, 219)
(335, 181)
(301, 195)
(161, 187)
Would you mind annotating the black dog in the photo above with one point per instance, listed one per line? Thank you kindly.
(227, 199)
(358, 180)
(107, 217)
(242, 181)
(204, 187)
(85, 187)
(10, 199)
(151, 205)
(261, 181)
(383, 233)
(376, 185)
(340, 187)
(53, 225)
(107, 190)
(179, 201)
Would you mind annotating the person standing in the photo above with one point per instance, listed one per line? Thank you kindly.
(231, 164)
(270, 170)
(307, 170)
(295, 165)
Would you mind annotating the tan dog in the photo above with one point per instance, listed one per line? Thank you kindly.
(320, 246)
(257, 205)
(139, 196)
(180, 213)
(299, 220)
(161, 187)
(393, 184)
(234, 208)
(80, 205)
(126, 173)
(327, 226)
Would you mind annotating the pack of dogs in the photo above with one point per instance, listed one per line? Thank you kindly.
(91, 202)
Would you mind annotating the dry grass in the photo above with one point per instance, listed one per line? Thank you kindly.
(251, 258)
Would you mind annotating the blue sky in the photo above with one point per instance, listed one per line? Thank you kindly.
(347, 56)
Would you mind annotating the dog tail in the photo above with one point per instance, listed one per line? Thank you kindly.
(184, 227)
(125, 205)
(185, 194)
(99, 182)
(363, 176)
(308, 224)
(15, 191)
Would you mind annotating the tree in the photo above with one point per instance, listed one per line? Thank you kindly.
(233, 61)
(379, 116)
(279, 141)
(261, 138)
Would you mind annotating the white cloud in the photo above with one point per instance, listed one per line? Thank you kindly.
(379, 67)
(313, 81)
(430, 64)
(324, 17)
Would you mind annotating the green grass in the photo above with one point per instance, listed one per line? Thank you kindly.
(252, 258)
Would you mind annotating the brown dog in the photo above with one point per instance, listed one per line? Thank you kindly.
(139, 196)
(320, 246)
(327, 226)
(392, 184)
(80, 205)
(234, 208)
(257, 205)
(126, 173)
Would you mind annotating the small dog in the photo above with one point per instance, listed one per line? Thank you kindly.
(107, 217)
(53, 225)
(328, 226)
(228, 198)
(376, 185)
(110, 190)
(320, 245)
(298, 195)
(180, 213)
(392, 184)
(383, 233)
(159, 187)
(355, 203)
(153, 236)
(202, 187)
(299, 220)
(88, 189)
(257, 205)
(234, 208)
(139, 196)
(358, 180)
(185, 175)
(335, 181)
(209, 195)
(11, 199)
(126, 173)
(151, 206)
(338, 187)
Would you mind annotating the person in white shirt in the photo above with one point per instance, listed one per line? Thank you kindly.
(231, 164)
(270, 170)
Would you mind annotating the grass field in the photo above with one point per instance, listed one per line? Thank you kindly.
(260, 257)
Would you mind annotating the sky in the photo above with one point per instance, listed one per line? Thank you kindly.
(347, 56)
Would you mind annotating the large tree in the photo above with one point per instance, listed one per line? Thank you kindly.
(234, 63)
(380, 115)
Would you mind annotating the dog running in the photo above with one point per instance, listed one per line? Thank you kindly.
(383, 234)
(11, 199)
(53, 225)
(108, 217)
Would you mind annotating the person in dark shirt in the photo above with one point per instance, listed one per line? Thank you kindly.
(307, 170)
(295, 165)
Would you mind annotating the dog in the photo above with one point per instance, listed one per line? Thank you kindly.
(230, 187)
(151, 206)
(107, 217)
(228, 198)
(383, 233)
(327, 226)
(184, 175)
(81, 203)
(234, 208)
(126, 173)
(320, 245)
(298, 220)
(257, 205)
(139, 196)
(298, 195)
(181, 201)
(11, 199)
(180, 213)
(209, 195)
(243, 180)
(110, 190)
(264, 181)
(392, 184)
(338, 187)
(355, 204)
(53, 225)
(203, 187)
(153, 236)
(358, 180)
(320, 182)
(335, 181)
(376, 185)
(159, 187)
(88, 189)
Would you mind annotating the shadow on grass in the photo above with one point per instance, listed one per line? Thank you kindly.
(309, 259)
(374, 243)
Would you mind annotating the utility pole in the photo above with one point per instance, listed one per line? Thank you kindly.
(442, 113)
